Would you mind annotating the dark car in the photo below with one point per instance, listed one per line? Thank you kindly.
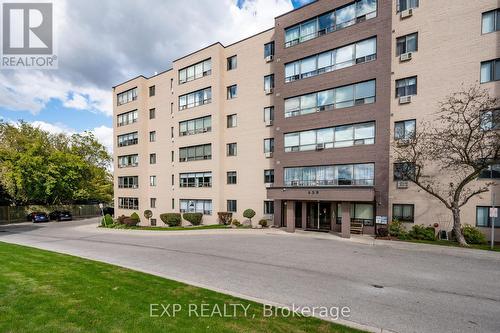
(39, 217)
(61, 215)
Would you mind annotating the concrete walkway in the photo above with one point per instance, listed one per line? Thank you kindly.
(389, 286)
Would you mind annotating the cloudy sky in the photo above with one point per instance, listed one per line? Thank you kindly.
(104, 42)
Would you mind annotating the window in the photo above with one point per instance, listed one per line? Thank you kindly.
(195, 153)
(128, 203)
(352, 13)
(483, 218)
(173, 203)
(492, 172)
(195, 179)
(403, 212)
(196, 98)
(195, 126)
(152, 91)
(404, 171)
(406, 4)
(153, 222)
(152, 202)
(128, 139)
(269, 50)
(331, 137)
(406, 87)
(490, 120)
(126, 96)
(231, 177)
(231, 149)
(330, 175)
(232, 120)
(231, 206)
(128, 182)
(196, 206)
(172, 155)
(152, 113)
(490, 71)
(128, 161)
(408, 43)
(349, 55)
(127, 118)
(269, 83)
(172, 132)
(490, 21)
(152, 158)
(232, 63)
(152, 181)
(269, 176)
(232, 91)
(152, 136)
(196, 71)
(269, 115)
(172, 179)
(337, 98)
(268, 145)
(404, 130)
(268, 207)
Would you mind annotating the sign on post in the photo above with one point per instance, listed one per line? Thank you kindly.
(493, 212)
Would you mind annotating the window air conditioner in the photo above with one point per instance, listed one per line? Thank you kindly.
(269, 122)
(269, 154)
(269, 91)
(269, 58)
(402, 184)
(405, 56)
(405, 99)
(407, 13)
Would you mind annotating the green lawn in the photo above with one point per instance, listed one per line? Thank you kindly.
(199, 227)
(455, 244)
(43, 291)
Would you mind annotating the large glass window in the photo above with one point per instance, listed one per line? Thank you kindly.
(195, 206)
(196, 98)
(490, 71)
(330, 175)
(195, 126)
(126, 96)
(346, 56)
(404, 130)
(128, 203)
(128, 161)
(128, 182)
(406, 87)
(127, 118)
(341, 97)
(195, 153)
(128, 139)
(408, 43)
(483, 218)
(195, 179)
(347, 15)
(196, 71)
(404, 171)
(403, 212)
(492, 172)
(490, 21)
(331, 137)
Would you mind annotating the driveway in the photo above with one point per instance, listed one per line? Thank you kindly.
(401, 288)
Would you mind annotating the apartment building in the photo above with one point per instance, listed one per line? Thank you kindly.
(296, 122)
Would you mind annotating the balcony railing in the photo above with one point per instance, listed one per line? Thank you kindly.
(333, 182)
(199, 184)
(194, 104)
(195, 131)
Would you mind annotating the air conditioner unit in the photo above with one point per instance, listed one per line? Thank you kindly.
(401, 184)
(406, 13)
(269, 122)
(405, 99)
(405, 56)
(320, 146)
(269, 91)
(269, 154)
(269, 58)
(269, 185)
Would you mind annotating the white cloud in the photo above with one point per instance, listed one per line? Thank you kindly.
(57, 128)
(105, 136)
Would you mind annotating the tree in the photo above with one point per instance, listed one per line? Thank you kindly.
(444, 157)
(249, 214)
(148, 214)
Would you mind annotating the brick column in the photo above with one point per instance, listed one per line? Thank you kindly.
(346, 219)
(290, 216)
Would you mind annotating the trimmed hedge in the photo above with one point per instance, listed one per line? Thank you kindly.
(148, 214)
(225, 217)
(263, 223)
(171, 219)
(249, 213)
(193, 218)
(135, 216)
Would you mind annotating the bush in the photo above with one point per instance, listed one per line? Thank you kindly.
(121, 219)
(130, 222)
(236, 223)
(135, 216)
(382, 232)
(263, 223)
(420, 232)
(472, 235)
(193, 218)
(225, 217)
(171, 219)
(249, 213)
(107, 220)
(396, 228)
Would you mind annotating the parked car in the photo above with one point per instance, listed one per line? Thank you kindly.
(39, 217)
(61, 215)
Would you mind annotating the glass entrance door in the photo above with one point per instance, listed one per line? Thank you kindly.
(325, 215)
(319, 215)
